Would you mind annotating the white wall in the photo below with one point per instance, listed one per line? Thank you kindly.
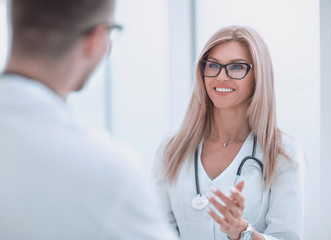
(181, 59)
(291, 30)
(139, 75)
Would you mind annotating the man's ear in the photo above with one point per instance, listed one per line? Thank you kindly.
(93, 42)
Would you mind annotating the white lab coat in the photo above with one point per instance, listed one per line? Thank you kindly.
(282, 207)
(58, 181)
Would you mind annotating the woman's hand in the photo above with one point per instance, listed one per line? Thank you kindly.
(232, 222)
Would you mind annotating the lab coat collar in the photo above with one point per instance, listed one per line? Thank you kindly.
(19, 90)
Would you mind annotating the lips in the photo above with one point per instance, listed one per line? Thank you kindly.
(224, 90)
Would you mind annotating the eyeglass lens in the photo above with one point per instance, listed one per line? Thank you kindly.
(114, 33)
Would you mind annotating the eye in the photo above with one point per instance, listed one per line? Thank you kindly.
(213, 65)
(237, 66)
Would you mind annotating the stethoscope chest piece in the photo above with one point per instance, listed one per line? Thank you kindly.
(199, 202)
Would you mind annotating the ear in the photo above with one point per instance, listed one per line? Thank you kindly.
(95, 43)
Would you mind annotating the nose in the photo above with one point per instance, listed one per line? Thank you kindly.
(222, 76)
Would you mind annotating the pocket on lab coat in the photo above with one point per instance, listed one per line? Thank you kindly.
(195, 230)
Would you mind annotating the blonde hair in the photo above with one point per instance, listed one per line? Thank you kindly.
(261, 112)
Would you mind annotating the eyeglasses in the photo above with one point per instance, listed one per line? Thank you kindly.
(233, 70)
(112, 28)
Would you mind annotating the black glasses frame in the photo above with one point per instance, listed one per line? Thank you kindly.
(107, 25)
(202, 65)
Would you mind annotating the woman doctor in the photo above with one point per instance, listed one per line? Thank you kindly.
(229, 172)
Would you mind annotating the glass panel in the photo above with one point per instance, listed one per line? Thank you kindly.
(4, 34)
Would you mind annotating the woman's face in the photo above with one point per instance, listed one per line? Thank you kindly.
(224, 92)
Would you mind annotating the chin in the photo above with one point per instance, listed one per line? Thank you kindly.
(81, 83)
(231, 105)
(80, 87)
(223, 104)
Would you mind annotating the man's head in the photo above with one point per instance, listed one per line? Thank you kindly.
(59, 42)
(50, 28)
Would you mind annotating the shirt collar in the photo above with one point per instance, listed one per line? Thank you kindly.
(18, 89)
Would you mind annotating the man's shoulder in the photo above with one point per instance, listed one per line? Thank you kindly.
(99, 148)
(107, 145)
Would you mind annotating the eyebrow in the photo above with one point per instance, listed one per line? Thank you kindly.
(231, 61)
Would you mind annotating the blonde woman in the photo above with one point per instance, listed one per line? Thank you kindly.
(229, 172)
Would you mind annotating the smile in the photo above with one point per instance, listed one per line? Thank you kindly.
(224, 90)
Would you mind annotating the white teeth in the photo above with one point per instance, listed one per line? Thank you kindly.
(224, 90)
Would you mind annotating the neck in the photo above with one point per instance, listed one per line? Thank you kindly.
(57, 75)
(230, 125)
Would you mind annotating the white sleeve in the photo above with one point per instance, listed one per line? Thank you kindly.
(284, 219)
(136, 208)
(160, 183)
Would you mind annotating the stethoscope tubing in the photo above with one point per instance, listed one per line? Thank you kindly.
(197, 184)
(250, 157)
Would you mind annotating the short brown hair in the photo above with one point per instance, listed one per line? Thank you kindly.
(52, 27)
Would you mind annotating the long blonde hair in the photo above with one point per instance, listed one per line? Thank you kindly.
(261, 112)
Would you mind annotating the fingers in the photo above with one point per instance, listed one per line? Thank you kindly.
(225, 211)
(235, 203)
(240, 186)
(227, 200)
(224, 225)
(231, 207)
(238, 198)
(235, 211)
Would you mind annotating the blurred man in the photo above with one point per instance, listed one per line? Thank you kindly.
(56, 180)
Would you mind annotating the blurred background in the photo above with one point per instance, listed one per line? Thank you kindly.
(141, 92)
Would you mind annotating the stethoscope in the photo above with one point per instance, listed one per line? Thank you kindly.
(200, 201)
